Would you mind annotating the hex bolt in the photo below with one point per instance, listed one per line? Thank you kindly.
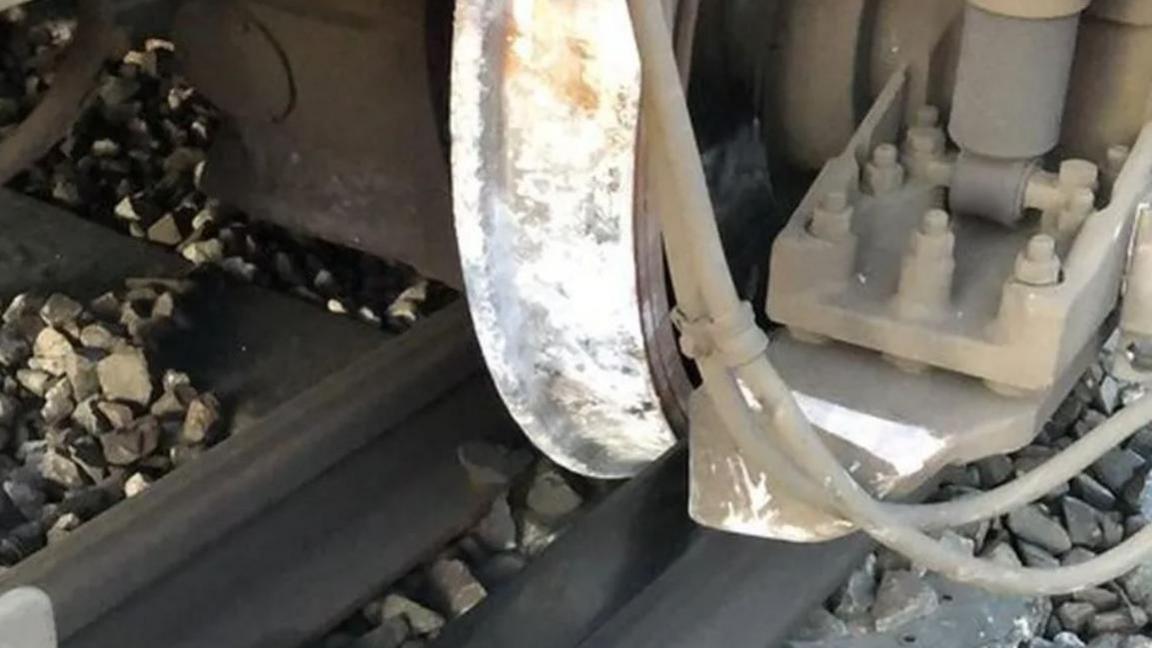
(922, 142)
(1079, 173)
(926, 117)
(1117, 155)
(832, 218)
(1115, 159)
(935, 222)
(934, 237)
(1038, 264)
(884, 174)
(1140, 354)
(885, 156)
(925, 286)
(1080, 203)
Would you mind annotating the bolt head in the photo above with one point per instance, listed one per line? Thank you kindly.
(885, 155)
(1038, 264)
(935, 222)
(834, 201)
(926, 116)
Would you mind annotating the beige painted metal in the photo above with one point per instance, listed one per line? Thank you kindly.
(1132, 12)
(922, 35)
(1110, 94)
(892, 429)
(892, 418)
(809, 63)
(1109, 100)
(1004, 331)
(1033, 9)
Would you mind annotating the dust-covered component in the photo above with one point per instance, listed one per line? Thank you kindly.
(544, 123)
(1011, 82)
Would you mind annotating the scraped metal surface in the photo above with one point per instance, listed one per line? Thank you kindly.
(544, 110)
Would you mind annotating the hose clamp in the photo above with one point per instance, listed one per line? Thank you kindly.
(734, 337)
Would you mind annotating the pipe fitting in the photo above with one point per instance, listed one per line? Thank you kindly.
(832, 218)
(1012, 81)
(925, 287)
(884, 173)
(1038, 264)
(990, 188)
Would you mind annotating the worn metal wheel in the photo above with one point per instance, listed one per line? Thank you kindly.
(561, 256)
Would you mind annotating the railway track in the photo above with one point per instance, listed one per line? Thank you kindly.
(342, 474)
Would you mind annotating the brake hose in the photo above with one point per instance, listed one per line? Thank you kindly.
(720, 334)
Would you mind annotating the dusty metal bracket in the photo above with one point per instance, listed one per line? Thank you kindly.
(544, 115)
(893, 419)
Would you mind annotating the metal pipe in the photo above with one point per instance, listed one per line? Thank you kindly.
(1011, 83)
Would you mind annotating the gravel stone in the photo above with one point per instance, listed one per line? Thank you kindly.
(903, 596)
(63, 525)
(1003, 553)
(127, 446)
(550, 495)
(489, 464)
(500, 568)
(83, 377)
(98, 336)
(820, 624)
(165, 231)
(1116, 467)
(52, 349)
(391, 634)
(1075, 616)
(454, 586)
(58, 403)
(1067, 640)
(1077, 555)
(61, 470)
(1035, 556)
(203, 413)
(168, 405)
(60, 310)
(1138, 641)
(859, 593)
(1133, 524)
(1082, 522)
(118, 415)
(1123, 621)
(1107, 395)
(136, 484)
(1093, 492)
(1141, 442)
(34, 380)
(497, 530)
(424, 622)
(1110, 640)
(203, 252)
(1100, 598)
(9, 409)
(14, 349)
(1113, 528)
(1138, 584)
(1137, 493)
(1031, 524)
(535, 535)
(124, 376)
